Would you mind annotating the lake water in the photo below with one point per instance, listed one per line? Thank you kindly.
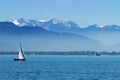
(61, 68)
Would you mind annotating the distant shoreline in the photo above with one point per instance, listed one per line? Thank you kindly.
(90, 53)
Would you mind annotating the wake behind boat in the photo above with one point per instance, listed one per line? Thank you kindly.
(21, 56)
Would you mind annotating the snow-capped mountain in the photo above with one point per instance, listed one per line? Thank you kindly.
(62, 26)
(107, 34)
(51, 25)
(26, 22)
(101, 28)
(37, 38)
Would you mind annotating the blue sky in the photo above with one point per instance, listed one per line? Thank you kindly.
(83, 12)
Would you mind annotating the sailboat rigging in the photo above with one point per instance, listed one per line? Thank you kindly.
(21, 56)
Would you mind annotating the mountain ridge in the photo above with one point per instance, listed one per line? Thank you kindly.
(37, 38)
(106, 34)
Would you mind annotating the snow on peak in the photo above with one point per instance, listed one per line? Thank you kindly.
(16, 22)
(25, 22)
(20, 22)
(45, 23)
(102, 25)
(72, 24)
(56, 21)
(43, 20)
(105, 26)
(110, 26)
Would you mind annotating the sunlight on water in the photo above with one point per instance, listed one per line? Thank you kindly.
(61, 68)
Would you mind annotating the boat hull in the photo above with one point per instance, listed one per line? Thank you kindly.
(19, 59)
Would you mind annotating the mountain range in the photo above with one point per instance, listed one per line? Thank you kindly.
(58, 35)
(107, 34)
(37, 38)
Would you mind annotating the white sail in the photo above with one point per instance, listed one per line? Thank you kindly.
(21, 53)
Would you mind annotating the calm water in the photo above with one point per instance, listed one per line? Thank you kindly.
(61, 68)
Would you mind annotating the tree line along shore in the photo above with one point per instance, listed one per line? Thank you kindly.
(61, 53)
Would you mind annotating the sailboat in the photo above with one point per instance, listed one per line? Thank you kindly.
(21, 56)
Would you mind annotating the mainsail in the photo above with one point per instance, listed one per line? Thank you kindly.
(21, 53)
